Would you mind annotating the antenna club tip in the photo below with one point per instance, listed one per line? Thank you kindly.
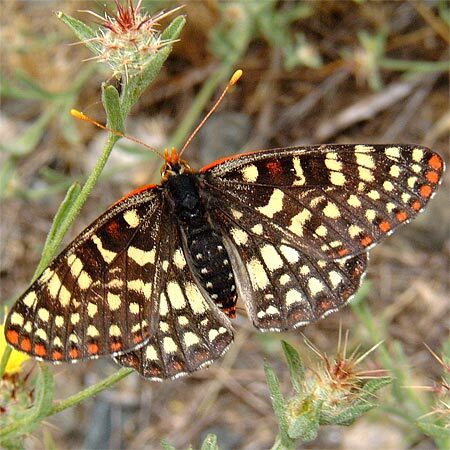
(77, 114)
(236, 76)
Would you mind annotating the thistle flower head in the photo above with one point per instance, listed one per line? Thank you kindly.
(128, 38)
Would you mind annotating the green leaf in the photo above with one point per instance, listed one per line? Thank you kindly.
(278, 404)
(296, 370)
(375, 384)
(210, 443)
(82, 31)
(111, 103)
(66, 204)
(136, 86)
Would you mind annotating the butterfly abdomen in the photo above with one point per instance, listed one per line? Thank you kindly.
(208, 255)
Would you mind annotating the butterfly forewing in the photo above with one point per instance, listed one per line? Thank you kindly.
(330, 201)
(192, 332)
(96, 298)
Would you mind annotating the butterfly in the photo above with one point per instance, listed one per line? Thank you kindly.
(154, 281)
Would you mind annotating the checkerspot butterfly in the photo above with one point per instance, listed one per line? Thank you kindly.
(154, 281)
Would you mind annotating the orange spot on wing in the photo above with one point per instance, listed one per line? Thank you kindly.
(116, 346)
(343, 252)
(366, 240)
(40, 350)
(74, 353)
(25, 344)
(425, 190)
(138, 339)
(57, 355)
(113, 228)
(432, 177)
(12, 336)
(435, 162)
(275, 167)
(416, 205)
(93, 349)
(401, 216)
(384, 226)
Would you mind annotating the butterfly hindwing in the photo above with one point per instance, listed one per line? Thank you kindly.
(192, 332)
(330, 201)
(95, 298)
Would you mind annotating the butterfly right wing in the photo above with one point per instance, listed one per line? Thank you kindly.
(192, 332)
(98, 296)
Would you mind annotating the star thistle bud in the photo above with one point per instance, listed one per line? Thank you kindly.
(127, 39)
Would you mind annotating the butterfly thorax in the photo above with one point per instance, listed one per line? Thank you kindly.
(204, 245)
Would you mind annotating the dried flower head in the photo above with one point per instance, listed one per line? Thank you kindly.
(128, 38)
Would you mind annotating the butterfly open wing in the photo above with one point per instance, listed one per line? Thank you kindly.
(299, 221)
(192, 332)
(99, 296)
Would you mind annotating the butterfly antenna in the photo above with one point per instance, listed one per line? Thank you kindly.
(233, 80)
(79, 115)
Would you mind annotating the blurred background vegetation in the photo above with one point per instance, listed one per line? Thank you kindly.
(314, 72)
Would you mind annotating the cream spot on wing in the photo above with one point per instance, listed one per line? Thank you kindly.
(183, 320)
(59, 321)
(272, 310)
(107, 255)
(43, 314)
(417, 154)
(335, 278)
(240, 237)
(388, 186)
(331, 210)
(315, 285)
(374, 195)
(298, 221)
(190, 339)
(393, 152)
(176, 297)
(298, 172)
(91, 309)
(178, 259)
(73, 338)
(335, 244)
(416, 168)
(236, 214)
(321, 231)
(406, 197)
(365, 160)
(150, 353)
(74, 318)
(360, 148)
(92, 331)
(139, 286)
(390, 206)
(365, 174)
(114, 301)
(46, 275)
(258, 276)
(274, 205)
(114, 330)
(165, 265)
(28, 326)
(40, 333)
(304, 270)
(195, 297)
(394, 171)
(293, 296)
(354, 231)
(131, 218)
(65, 296)
(164, 327)
(250, 173)
(30, 299)
(337, 178)
(412, 182)
(84, 280)
(53, 285)
(141, 257)
(134, 308)
(332, 163)
(354, 201)
(57, 342)
(17, 319)
(169, 345)
(290, 254)
(284, 279)
(271, 257)
(257, 229)
(371, 215)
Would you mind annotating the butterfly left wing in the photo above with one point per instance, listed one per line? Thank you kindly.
(192, 332)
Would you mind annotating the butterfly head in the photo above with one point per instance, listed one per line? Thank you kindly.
(173, 165)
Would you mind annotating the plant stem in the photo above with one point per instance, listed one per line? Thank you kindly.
(90, 391)
(4, 361)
